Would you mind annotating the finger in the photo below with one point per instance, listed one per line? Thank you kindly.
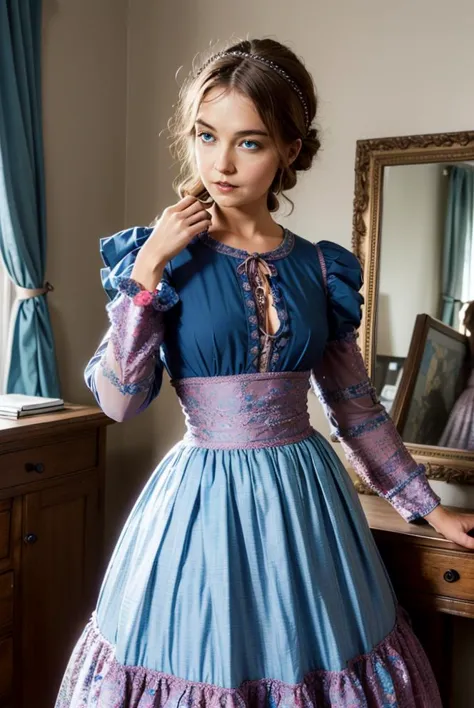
(199, 216)
(185, 202)
(192, 209)
(198, 228)
(465, 540)
(467, 522)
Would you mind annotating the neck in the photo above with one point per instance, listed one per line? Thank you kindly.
(245, 224)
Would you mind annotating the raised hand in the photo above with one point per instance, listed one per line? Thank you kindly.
(177, 226)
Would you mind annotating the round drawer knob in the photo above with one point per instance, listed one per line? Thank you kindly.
(451, 576)
(34, 467)
(31, 538)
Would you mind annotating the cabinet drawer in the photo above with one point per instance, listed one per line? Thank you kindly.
(6, 667)
(42, 462)
(421, 569)
(6, 599)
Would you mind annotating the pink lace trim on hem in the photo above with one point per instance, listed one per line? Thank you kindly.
(396, 672)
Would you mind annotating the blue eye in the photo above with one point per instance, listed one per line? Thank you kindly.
(251, 145)
(201, 136)
(252, 142)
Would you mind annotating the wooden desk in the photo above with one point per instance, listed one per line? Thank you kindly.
(51, 525)
(433, 579)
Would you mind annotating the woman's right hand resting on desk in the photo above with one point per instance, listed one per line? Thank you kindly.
(453, 525)
(177, 226)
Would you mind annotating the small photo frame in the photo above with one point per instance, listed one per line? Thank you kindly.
(434, 375)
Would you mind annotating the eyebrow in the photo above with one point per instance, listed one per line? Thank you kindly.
(239, 132)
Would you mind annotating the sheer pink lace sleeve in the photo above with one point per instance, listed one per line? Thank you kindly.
(125, 373)
(369, 438)
(368, 435)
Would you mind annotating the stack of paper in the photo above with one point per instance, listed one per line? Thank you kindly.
(17, 405)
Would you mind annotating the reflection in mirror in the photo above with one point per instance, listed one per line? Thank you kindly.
(424, 352)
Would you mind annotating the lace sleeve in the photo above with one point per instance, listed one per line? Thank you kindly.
(368, 435)
(125, 373)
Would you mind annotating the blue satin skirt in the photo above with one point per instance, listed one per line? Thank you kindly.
(246, 563)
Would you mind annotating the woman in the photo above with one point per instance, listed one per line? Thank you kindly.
(246, 573)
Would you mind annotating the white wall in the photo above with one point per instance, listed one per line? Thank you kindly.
(413, 217)
(84, 63)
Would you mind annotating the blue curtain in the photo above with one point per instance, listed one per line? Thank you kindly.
(32, 368)
(457, 240)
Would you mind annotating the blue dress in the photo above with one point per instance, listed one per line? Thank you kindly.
(246, 573)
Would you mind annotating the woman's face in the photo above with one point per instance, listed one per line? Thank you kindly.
(233, 145)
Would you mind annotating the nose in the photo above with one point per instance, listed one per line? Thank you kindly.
(224, 163)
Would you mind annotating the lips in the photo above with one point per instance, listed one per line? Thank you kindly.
(225, 184)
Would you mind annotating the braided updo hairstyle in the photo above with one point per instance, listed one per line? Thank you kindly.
(279, 106)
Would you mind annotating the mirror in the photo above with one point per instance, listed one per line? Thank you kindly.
(414, 234)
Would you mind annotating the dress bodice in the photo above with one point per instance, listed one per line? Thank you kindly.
(203, 324)
(214, 329)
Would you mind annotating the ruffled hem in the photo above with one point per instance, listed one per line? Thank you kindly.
(395, 673)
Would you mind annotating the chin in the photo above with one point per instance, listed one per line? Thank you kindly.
(224, 198)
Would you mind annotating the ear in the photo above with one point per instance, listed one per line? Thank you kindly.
(293, 151)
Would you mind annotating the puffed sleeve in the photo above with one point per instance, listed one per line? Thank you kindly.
(125, 373)
(368, 436)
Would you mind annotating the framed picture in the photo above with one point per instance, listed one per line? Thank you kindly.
(434, 375)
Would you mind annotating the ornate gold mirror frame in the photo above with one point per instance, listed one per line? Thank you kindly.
(372, 156)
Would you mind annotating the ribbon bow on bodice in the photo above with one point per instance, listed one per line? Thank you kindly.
(258, 272)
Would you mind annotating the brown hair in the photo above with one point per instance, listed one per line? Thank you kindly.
(277, 103)
(468, 323)
(468, 318)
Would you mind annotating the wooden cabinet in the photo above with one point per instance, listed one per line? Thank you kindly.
(51, 527)
(432, 577)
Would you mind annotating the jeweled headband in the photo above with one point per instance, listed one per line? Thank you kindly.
(272, 65)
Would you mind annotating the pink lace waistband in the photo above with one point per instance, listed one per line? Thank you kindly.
(246, 410)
